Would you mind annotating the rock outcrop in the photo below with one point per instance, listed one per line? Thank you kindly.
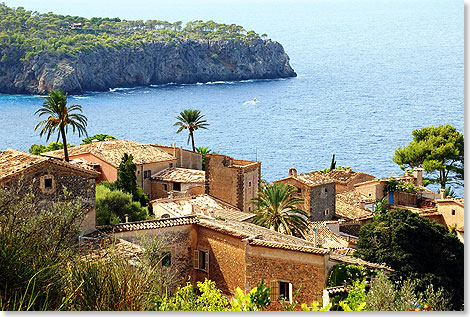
(182, 61)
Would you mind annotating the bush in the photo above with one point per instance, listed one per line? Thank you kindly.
(35, 246)
(113, 205)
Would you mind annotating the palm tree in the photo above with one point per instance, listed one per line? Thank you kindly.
(277, 210)
(203, 150)
(60, 117)
(191, 120)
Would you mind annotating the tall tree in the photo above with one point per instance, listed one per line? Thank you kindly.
(60, 117)
(438, 150)
(277, 209)
(192, 120)
(126, 180)
(416, 248)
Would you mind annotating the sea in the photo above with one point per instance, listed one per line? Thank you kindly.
(369, 73)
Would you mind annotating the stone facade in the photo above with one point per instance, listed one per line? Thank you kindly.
(49, 180)
(233, 181)
(322, 202)
(179, 240)
(184, 158)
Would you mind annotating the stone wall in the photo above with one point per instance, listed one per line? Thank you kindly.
(233, 181)
(76, 183)
(180, 240)
(184, 158)
(226, 260)
(304, 270)
(322, 202)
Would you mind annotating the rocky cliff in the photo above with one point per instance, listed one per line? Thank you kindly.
(182, 61)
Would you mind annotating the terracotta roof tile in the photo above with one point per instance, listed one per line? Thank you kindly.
(260, 236)
(311, 179)
(325, 237)
(200, 204)
(13, 163)
(113, 150)
(149, 224)
(181, 175)
(349, 205)
(344, 177)
(103, 246)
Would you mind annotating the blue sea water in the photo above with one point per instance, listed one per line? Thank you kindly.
(369, 72)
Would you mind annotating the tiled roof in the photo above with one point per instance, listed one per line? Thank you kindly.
(201, 204)
(325, 237)
(349, 204)
(349, 259)
(344, 177)
(311, 179)
(113, 150)
(13, 163)
(336, 290)
(149, 224)
(102, 247)
(180, 175)
(260, 236)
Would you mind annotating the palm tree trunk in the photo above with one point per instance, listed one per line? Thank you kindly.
(64, 140)
(192, 140)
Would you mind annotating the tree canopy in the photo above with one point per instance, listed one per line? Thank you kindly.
(438, 150)
(33, 33)
(417, 248)
(99, 137)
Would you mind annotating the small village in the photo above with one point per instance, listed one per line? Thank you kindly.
(202, 207)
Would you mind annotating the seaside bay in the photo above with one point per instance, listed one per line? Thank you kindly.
(369, 72)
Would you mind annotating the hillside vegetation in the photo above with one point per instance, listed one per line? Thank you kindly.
(34, 33)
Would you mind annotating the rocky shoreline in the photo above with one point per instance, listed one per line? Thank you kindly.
(180, 61)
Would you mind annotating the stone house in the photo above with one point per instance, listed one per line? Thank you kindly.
(318, 192)
(374, 190)
(47, 178)
(452, 211)
(198, 204)
(184, 158)
(346, 179)
(179, 180)
(238, 254)
(107, 155)
(233, 181)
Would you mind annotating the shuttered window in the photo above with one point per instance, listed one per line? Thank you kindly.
(274, 290)
(201, 260)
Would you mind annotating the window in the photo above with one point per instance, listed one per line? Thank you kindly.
(285, 291)
(249, 208)
(177, 186)
(453, 212)
(249, 184)
(201, 260)
(299, 190)
(327, 211)
(48, 183)
(170, 165)
(165, 187)
(166, 258)
(147, 174)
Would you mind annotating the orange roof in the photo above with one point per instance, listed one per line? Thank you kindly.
(311, 179)
(325, 237)
(14, 163)
(343, 176)
(112, 151)
(181, 175)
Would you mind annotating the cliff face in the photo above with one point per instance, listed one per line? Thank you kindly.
(183, 61)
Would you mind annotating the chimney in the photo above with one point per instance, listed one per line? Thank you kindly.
(292, 172)
(127, 217)
(407, 173)
(418, 174)
(315, 236)
(443, 193)
(348, 169)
